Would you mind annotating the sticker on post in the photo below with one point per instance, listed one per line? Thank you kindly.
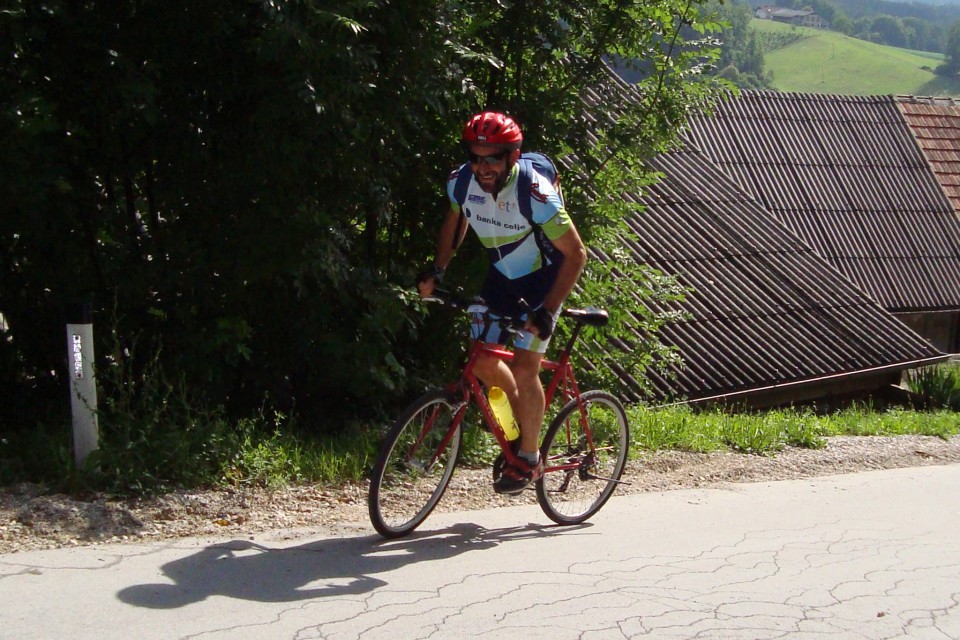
(77, 357)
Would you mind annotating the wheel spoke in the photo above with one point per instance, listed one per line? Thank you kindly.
(570, 496)
(415, 465)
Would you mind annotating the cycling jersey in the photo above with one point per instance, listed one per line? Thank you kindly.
(510, 239)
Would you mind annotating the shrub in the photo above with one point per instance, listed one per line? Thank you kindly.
(154, 433)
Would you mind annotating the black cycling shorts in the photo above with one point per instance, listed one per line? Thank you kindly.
(503, 295)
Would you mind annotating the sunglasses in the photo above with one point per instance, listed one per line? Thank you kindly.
(490, 160)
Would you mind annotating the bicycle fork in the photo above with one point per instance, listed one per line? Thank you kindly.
(411, 457)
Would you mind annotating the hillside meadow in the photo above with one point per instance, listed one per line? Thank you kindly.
(809, 60)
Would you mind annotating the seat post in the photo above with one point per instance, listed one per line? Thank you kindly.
(573, 336)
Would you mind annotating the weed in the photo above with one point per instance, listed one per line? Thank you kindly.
(263, 459)
(938, 387)
(672, 428)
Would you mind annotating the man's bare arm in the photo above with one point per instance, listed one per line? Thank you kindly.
(574, 259)
(447, 244)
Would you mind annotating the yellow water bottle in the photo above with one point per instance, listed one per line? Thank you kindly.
(504, 414)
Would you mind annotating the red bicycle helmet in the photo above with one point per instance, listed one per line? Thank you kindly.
(491, 127)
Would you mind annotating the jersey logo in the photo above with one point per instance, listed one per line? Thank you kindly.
(478, 199)
(535, 192)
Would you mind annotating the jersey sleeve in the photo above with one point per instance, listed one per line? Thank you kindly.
(547, 208)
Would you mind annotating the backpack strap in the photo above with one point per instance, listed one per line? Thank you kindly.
(460, 195)
(524, 187)
(530, 162)
(463, 182)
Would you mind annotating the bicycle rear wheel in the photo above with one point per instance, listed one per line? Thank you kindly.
(415, 464)
(588, 452)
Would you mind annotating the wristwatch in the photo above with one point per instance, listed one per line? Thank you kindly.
(433, 271)
(437, 272)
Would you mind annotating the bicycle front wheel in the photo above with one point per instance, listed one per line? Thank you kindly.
(584, 453)
(415, 464)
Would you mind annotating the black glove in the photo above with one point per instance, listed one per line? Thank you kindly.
(543, 321)
(433, 271)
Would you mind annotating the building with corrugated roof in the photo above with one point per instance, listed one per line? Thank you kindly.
(759, 215)
(768, 321)
(848, 176)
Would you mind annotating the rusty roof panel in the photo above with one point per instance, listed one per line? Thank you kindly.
(936, 125)
(847, 175)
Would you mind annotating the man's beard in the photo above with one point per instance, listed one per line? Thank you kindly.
(499, 182)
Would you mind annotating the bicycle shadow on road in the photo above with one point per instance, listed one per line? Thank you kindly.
(247, 570)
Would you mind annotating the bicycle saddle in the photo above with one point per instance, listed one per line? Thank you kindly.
(590, 316)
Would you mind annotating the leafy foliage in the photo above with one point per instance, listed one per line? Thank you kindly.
(252, 185)
(951, 66)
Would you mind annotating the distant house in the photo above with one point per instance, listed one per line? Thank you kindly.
(798, 17)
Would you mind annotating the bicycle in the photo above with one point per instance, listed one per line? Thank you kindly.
(584, 448)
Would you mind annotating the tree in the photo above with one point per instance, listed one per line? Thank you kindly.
(842, 24)
(951, 66)
(245, 190)
(741, 54)
(926, 36)
(890, 31)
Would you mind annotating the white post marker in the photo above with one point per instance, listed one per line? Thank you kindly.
(83, 388)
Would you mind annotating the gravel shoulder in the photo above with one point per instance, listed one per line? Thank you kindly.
(31, 518)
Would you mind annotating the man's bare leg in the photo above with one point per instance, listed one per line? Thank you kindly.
(521, 383)
(529, 411)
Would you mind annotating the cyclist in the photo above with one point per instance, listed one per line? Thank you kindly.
(538, 261)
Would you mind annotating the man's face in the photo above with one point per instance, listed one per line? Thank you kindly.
(491, 165)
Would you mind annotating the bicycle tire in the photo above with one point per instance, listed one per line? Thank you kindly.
(414, 466)
(572, 496)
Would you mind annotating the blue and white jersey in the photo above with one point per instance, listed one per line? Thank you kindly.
(507, 235)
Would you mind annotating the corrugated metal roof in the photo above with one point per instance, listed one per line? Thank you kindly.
(935, 122)
(766, 310)
(846, 175)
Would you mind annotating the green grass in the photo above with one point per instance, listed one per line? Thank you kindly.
(767, 432)
(827, 62)
(274, 452)
(202, 449)
(936, 387)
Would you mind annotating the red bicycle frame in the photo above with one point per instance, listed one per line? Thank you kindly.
(469, 386)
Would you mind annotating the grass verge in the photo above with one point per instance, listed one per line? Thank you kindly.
(145, 450)
(765, 433)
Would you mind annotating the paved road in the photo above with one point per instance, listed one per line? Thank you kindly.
(870, 555)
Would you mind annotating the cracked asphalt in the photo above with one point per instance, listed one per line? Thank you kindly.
(870, 555)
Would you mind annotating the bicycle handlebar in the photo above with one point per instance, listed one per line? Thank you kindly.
(590, 316)
(477, 304)
(452, 300)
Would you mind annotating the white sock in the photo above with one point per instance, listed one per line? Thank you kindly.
(532, 458)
